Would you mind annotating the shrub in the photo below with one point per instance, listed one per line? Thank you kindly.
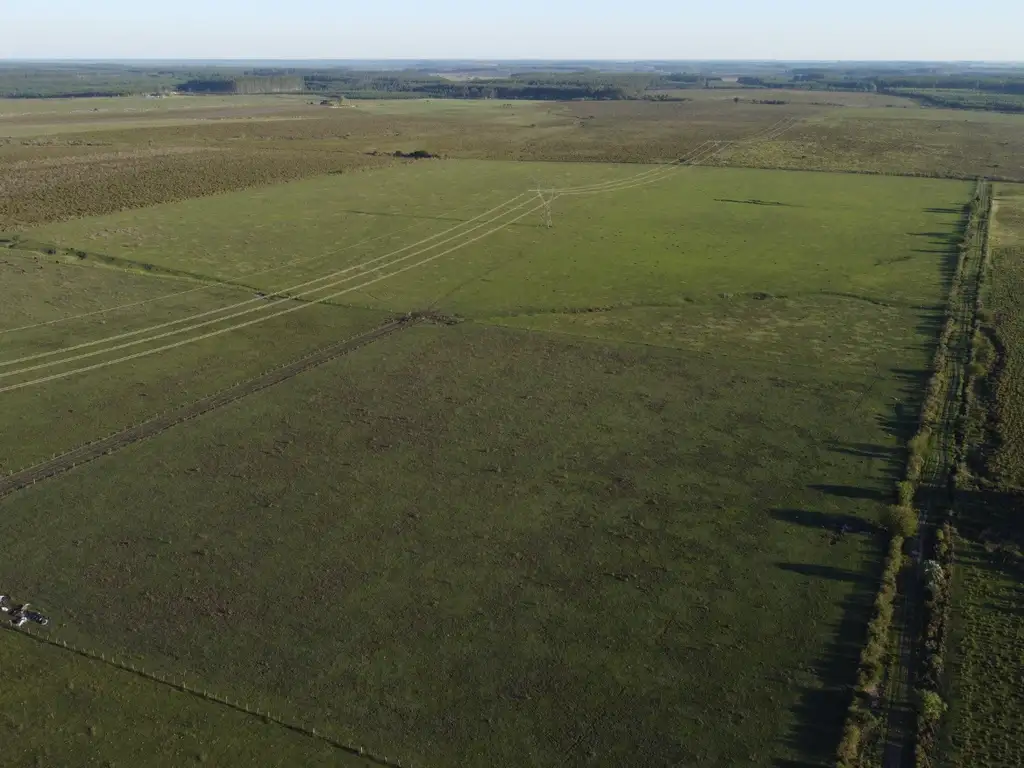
(931, 706)
(934, 577)
(849, 747)
(905, 491)
(921, 442)
(902, 521)
(872, 661)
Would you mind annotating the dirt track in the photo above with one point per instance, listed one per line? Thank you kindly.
(933, 496)
(158, 424)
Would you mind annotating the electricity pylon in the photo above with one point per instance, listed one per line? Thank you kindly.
(547, 196)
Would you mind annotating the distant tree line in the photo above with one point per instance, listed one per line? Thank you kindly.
(1009, 85)
(808, 83)
(991, 89)
(532, 86)
(958, 91)
(41, 81)
(964, 100)
(245, 85)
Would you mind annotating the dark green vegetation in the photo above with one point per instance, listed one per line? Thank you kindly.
(60, 80)
(861, 732)
(968, 99)
(958, 87)
(984, 725)
(998, 89)
(37, 80)
(245, 84)
(625, 513)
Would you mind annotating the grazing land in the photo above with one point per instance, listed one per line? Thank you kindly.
(327, 423)
(616, 502)
(985, 723)
(55, 167)
(62, 709)
(899, 141)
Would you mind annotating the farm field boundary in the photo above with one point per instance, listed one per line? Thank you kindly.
(930, 470)
(931, 456)
(934, 572)
(242, 707)
(94, 450)
(978, 720)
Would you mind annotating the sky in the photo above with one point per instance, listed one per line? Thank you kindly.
(526, 29)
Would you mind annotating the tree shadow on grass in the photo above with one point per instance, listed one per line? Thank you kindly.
(772, 203)
(994, 519)
(864, 450)
(820, 713)
(854, 492)
(939, 238)
(825, 572)
(905, 419)
(826, 521)
(885, 462)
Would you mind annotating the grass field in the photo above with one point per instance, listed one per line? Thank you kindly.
(899, 141)
(65, 164)
(35, 119)
(112, 399)
(594, 524)
(61, 709)
(131, 105)
(987, 697)
(790, 96)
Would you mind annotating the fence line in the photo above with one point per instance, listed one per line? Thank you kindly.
(180, 414)
(184, 687)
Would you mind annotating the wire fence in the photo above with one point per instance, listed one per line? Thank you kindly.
(244, 707)
(163, 421)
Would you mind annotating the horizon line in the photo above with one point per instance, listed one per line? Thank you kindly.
(471, 60)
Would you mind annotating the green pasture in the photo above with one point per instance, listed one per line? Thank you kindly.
(607, 554)
(597, 523)
(132, 105)
(39, 291)
(859, 100)
(63, 709)
(35, 131)
(323, 220)
(490, 110)
(915, 142)
(34, 119)
(693, 233)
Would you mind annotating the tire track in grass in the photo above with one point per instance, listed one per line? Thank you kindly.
(151, 427)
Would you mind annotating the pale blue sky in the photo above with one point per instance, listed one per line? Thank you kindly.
(492, 29)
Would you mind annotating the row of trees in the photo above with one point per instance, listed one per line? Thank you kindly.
(990, 102)
(246, 84)
(535, 86)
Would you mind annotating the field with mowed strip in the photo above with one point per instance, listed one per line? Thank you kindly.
(610, 496)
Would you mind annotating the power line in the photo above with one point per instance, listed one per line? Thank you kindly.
(546, 196)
